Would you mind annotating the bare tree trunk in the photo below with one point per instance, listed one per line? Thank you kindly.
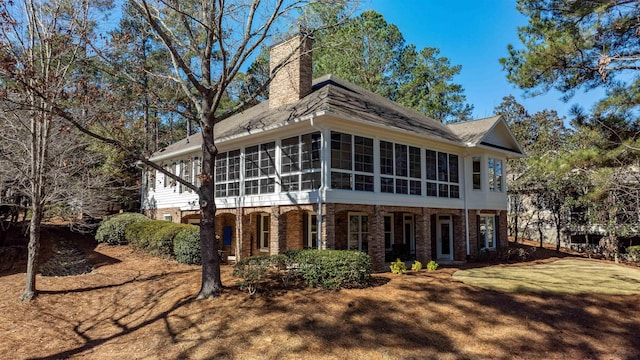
(33, 249)
(211, 281)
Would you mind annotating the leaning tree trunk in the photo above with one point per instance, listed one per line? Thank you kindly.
(211, 282)
(33, 248)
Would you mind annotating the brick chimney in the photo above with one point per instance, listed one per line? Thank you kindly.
(290, 67)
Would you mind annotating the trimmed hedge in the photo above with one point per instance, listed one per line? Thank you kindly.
(333, 269)
(186, 245)
(634, 252)
(112, 229)
(154, 237)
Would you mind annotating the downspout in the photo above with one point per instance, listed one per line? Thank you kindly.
(466, 198)
(322, 188)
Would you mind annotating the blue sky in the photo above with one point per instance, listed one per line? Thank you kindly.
(474, 34)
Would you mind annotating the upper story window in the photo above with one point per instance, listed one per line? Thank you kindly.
(260, 168)
(197, 170)
(351, 162)
(495, 174)
(151, 179)
(300, 162)
(186, 168)
(442, 174)
(400, 168)
(477, 174)
(228, 174)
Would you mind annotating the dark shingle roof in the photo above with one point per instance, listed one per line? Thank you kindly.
(473, 131)
(345, 100)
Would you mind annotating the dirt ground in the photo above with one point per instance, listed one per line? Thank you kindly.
(135, 306)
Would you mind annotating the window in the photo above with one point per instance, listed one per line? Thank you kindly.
(300, 162)
(264, 224)
(174, 170)
(260, 169)
(388, 232)
(442, 174)
(197, 170)
(400, 169)
(359, 232)
(167, 217)
(227, 171)
(310, 226)
(185, 173)
(166, 178)
(351, 162)
(487, 231)
(151, 179)
(476, 174)
(495, 174)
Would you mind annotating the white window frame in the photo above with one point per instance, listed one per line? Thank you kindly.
(361, 234)
(352, 172)
(227, 182)
(485, 239)
(263, 232)
(448, 183)
(390, 232)
(475, 173)
(312, 234)
(298, 170)
(263, 175)
(496, 178)
(407, 159)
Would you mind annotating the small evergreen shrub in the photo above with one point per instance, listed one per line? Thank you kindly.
(252, 270)
(154, 237)
(186, 245)
(634, 252)
(137, 234)
(398, 267)
(417, 266)
(112, 229)
(432, 266)
(333, 269)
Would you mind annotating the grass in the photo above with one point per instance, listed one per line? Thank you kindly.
(564, 276)
(138, 307)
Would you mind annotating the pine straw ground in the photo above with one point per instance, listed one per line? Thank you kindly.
(133, 306)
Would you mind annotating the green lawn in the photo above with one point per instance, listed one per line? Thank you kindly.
(570, 276)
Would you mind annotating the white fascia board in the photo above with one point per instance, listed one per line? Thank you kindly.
(175, 154)
(268, 128)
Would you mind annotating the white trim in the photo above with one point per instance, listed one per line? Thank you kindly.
(262, 232)
(439, 223)
(392, 230)
(360, 233)
(412, 231)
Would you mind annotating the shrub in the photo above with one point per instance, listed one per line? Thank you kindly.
(186, 245)
(253, 270)
(432, 266)
(154, 237)
(398, 267)
(417, 266)
(515, 254)
(112, 229)
(487, 254)
(634, 252)
(333, 269)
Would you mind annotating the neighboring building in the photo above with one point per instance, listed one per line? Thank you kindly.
(327, 164)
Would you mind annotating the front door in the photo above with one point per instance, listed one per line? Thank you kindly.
(444, 238)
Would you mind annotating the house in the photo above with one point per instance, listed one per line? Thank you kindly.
(328, 164)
